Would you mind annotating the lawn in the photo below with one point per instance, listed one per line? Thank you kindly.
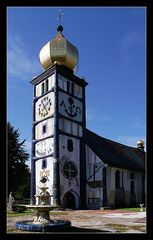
(132, 209)
(32, 213)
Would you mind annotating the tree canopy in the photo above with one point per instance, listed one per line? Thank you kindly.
(18, 170)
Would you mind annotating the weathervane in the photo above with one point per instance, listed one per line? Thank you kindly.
(59, 16)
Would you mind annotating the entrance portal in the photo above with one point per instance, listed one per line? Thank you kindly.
(69, 200)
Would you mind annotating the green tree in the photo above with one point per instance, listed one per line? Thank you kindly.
(18, 171)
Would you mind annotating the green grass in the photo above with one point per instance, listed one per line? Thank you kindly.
(14, 214)
(132, 209)
(32, 213)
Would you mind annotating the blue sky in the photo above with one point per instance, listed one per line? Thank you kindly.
(112, 59)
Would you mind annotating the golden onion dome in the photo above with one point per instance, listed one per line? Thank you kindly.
(140, 143)
(59, 50)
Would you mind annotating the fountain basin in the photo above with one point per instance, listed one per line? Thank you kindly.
(53, 225)
(42, 222)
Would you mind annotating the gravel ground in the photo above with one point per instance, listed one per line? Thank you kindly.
(108, 221)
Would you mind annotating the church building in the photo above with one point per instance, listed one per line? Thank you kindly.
(83, 169)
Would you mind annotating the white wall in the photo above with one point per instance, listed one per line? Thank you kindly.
(64, 105)
(74, 156)
(49, 172)
(51, 84)
(91, 160)
(49, 129)
(44, 147)
(62, 83)
(39, 104)
(70, 127)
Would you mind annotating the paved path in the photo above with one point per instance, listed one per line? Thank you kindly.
(126, 215)
(100, 221)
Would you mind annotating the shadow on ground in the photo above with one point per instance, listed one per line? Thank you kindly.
(70, 229)
(79, 229)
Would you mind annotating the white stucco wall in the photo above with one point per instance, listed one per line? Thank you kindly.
(126, 184)
(49, 172)
(64, 105)
(74, 156)
(92, 160)
(49, 129)
(44, 147)
(70, 127)
(62, 83)
(51, 84)
(39, 104)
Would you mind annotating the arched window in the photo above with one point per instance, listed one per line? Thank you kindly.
(46, 85)
(132, 187)
(132, 176)
(117, 179)
(42, 88)
(44, 163)
(70, 145)
(68, 86)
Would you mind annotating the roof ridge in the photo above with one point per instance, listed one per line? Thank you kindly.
(112, 141)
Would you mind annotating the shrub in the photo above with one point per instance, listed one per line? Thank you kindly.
(19, 209)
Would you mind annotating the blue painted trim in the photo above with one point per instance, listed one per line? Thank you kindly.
(71, 95)
(39, 140)
(64, 71)
(70, 119)
(46, 156)
(52, 226)
(37, 98)
(32, 189)
(104, 188)
(56, 175)
(44, 119)
(69, 134)
(83, 156)
(43, 76)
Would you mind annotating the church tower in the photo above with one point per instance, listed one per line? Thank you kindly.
(59, 123)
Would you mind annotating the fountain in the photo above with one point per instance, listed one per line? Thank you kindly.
(42, 221)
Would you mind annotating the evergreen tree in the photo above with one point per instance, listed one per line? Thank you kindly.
(18, 171)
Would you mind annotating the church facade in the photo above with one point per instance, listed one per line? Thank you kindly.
(83, 170)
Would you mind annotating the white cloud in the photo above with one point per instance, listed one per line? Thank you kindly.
(20, 64)
(130, 40)
(137, 125)
(90, 114)
(95, 115)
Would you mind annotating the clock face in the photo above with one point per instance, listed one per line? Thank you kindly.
(45, 106)
(44, 148)
(69, 170)
(70, 107)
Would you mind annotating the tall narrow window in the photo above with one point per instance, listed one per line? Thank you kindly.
(44, 163)
(68, 86)
(47, 85)
(132, 175)
(117, 179)
(132, 187)
(72, 88)
(44, 129)
(70, 145)
(42, 88)
(122, 179)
